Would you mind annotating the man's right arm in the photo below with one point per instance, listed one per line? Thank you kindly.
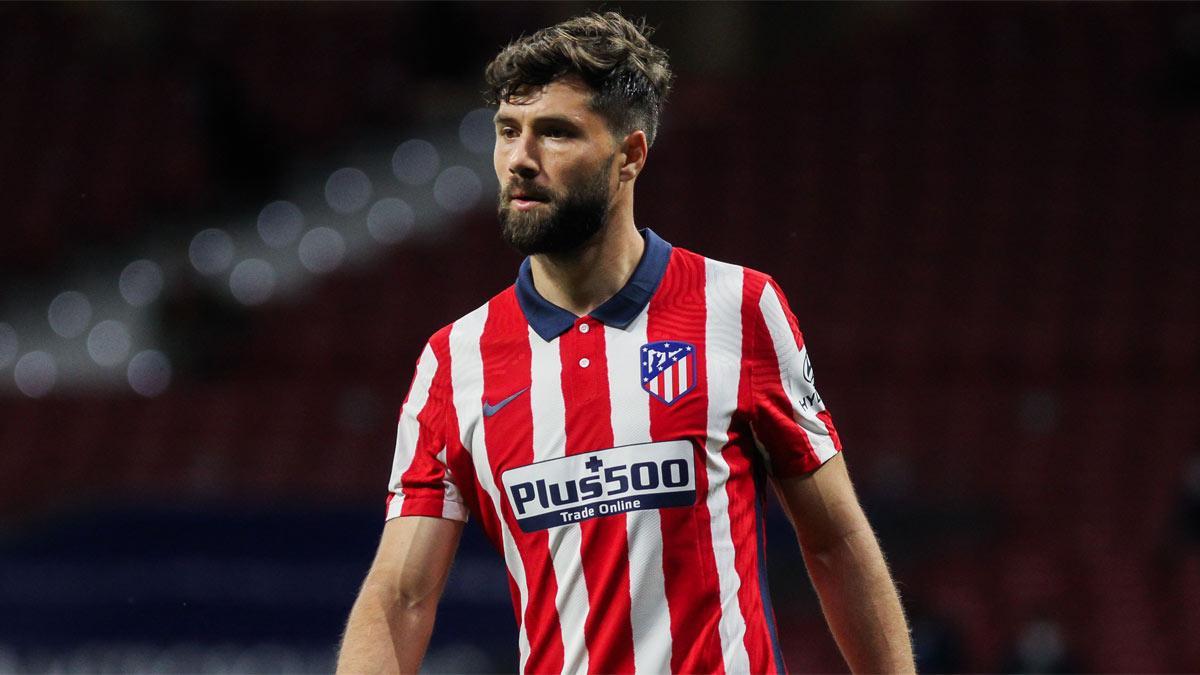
(392, 618)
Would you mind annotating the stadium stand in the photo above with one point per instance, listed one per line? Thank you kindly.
(984, 216)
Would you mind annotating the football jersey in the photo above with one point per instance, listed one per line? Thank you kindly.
(619, 460)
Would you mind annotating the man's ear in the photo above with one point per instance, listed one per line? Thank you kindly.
(633, 155)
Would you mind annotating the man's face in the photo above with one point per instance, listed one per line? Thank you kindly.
(556, 162)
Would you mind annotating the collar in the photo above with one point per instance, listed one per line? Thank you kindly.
(549, 320)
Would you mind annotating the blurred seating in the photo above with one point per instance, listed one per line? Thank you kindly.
(990, 248)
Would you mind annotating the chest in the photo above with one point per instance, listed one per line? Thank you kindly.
(597, 387)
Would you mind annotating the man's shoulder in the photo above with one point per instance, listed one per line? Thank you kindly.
(720, 269)
(473, 320)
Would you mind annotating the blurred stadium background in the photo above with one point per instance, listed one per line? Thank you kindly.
(228, 229)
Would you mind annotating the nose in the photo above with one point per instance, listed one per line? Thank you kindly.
(522, 158)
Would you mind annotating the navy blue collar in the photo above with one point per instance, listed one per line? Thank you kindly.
(549, 320)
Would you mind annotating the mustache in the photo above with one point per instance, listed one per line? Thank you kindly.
(528, 191)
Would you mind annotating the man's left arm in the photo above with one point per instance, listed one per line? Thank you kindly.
(847, 568)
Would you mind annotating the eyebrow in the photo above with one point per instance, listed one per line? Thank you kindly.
(543, 119)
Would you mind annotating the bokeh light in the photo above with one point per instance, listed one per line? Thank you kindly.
(390, 220)
(108, 343)
(35, 374)
(141, 282)
(8, 345)
(457, 189)
(149, 373)
(322, 250)
(347, 190)
(477, 131)
(279, 223)
(211, 251)
(415, 162)
(252, 281)
(70, 314)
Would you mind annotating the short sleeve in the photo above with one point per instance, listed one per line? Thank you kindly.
(788, 416)
(421, 482)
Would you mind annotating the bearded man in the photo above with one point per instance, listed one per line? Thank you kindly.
(615, 418)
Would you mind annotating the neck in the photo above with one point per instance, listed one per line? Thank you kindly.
(582, 280)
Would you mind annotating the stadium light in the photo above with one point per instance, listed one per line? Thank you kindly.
(70, 314)
(280, 223)
(415, 162)
(347, 190)
(252, 281)
(390, 220)
(211, 251)
(457, 189)
(36, 374)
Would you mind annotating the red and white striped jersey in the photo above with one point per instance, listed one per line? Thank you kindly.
(618, 460)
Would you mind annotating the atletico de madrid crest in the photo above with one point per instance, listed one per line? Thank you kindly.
(668, 369)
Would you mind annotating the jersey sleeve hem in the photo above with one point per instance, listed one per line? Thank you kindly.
(433, 507)
(802, 465)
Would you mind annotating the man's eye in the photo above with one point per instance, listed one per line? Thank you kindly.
(508, 132)
(556, 133)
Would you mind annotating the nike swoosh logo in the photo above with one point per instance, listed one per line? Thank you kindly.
(490, 409)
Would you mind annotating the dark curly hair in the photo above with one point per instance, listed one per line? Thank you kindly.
(630, 76)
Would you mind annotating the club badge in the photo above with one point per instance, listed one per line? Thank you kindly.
(668, 369)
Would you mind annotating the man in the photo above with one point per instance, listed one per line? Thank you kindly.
(613, 418)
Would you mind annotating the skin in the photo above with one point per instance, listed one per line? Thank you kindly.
(392, 618)
(847, 569)
(551, 140)
(548, 141)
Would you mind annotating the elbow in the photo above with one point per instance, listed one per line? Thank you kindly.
(416, 591)
(414, 597)
(825, 548)
(405, 592)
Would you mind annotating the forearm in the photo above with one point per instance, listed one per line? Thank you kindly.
(861, 604)
(383, 635)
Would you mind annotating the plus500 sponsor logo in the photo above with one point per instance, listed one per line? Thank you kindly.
(618, 480)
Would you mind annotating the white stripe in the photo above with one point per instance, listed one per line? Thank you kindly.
(791, 371)
(683, 373)
(453, 506)
(408, 429)
(550, 441)
(466, 372)
(723, 347)
(668, 385)
(649, 616)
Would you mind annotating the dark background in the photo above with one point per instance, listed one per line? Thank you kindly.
(985, 217)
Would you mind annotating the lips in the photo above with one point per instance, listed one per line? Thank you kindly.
(523, 192)
(524, 203)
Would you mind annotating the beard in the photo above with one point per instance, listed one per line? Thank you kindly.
(566, 220)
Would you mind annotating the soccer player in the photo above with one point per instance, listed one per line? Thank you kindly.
(614, 419)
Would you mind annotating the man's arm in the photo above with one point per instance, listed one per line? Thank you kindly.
(848, 570)
(392, 618)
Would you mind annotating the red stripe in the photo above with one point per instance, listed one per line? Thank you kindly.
(744, 459)
(827, 420)
(462, 466)
(790, 450)
(824, 415)
(693, 595)
(742, 493)
(504, 348)
(604, 549)
(423, 482)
